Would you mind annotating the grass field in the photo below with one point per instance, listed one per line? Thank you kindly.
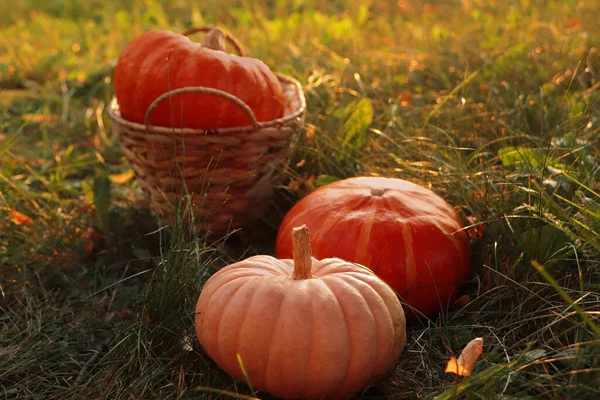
(495, 105)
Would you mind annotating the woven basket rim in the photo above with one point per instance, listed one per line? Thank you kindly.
(114, 113)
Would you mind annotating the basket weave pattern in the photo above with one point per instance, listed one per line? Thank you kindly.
(231, 172)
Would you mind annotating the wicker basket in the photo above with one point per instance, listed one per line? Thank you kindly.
(228, 174)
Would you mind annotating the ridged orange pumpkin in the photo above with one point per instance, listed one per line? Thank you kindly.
(303, 329)
(160, 61)
(408, 235)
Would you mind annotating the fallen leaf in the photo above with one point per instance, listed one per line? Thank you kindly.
(572, 23)
(484, 89)
(95, 240)
(122, 178)
(405, 98)
(475, 229)
(310, 131)
(466, 361)
(405, 6)
(20, 218)
(462, 300)
(83, 209)
(186, 343)
(39, 118)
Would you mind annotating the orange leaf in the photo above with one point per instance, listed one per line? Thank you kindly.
(122, 178)
(405, 98)
(572, 23)
(475, 229)
(310, 131)
(484, 89)
(462, 300)
(20, 218)
(466, 361)
(38, 118)
(89, 247)
(83, 209)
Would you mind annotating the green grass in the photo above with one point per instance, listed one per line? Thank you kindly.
(494, 105)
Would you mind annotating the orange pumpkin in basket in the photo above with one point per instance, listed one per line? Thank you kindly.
(158, 62)
(408, 235)
(301, 328)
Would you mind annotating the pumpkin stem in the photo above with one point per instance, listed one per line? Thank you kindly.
(301, 253)
(377, 191)
(214, 39)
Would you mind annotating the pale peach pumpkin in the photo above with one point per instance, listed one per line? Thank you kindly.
(303, 328)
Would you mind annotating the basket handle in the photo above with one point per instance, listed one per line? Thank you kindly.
(230, 38)
(202, 89)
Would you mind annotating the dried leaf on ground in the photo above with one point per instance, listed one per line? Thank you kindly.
(467, 359)
(122, 178)
(20, 218)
